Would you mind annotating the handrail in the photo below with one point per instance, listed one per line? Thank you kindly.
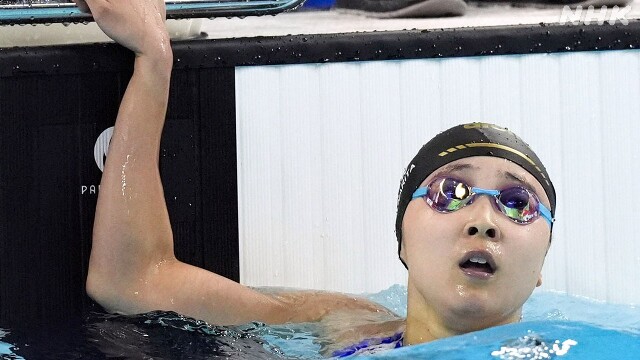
(36, 13)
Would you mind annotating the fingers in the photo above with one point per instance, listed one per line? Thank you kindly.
(135, 24)
(163, 9)
(82, 5)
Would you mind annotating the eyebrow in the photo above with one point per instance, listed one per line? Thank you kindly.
(459, 168)
(466, 167)
(511, 176)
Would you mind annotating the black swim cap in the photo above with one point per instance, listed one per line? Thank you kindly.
(462, 141)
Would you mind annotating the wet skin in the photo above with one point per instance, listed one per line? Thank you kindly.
(445, 299)
(133, 268)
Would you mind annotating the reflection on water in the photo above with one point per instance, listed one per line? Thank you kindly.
(155, 335)
(555, 326)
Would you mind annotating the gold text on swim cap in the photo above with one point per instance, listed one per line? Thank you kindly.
(497, 146)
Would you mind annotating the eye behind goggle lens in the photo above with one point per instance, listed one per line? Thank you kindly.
(515, 198)
(518, 204)
(446, 195)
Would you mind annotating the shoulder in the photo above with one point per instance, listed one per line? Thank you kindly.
(313, 305)
(348, 324)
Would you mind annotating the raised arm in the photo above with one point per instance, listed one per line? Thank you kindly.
(132, 268)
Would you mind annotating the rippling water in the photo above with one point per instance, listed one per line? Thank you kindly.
(554, 326)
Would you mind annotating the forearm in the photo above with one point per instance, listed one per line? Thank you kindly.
(143, 108)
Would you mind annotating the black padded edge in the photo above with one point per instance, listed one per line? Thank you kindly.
(296, 49)
(408, 44)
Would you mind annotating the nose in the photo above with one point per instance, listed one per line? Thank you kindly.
(482, 221)
(482, 229)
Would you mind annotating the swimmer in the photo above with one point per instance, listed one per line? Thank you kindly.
(474, 220)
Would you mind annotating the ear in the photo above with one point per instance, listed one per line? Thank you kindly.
(539, 283)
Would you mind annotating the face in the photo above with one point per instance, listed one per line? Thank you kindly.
(437, 247)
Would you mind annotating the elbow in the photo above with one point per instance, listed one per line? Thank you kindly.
(102, 289)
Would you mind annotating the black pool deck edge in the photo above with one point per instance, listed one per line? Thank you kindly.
(324, 48)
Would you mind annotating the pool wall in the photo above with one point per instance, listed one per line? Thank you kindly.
(321, 150)
(53, 121)
(281, 156)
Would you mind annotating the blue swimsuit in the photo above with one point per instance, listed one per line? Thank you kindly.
(371, 346)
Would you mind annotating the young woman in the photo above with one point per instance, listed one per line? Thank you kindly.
(475, 213)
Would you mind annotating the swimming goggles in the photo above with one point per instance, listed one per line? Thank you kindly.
(446, 195)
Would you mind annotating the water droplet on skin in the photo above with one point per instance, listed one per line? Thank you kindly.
(461, 290)
(123, 176)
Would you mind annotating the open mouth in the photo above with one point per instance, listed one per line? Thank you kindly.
(478, 264)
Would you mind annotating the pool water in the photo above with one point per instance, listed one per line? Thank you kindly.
(554, 326)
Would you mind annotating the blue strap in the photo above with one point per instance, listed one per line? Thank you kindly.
(420, 192)
(350, 350)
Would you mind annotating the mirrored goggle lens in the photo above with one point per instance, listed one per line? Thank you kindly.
(446, 195)
(518, 204)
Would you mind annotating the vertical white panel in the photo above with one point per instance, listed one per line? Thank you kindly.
(619, 111)
(541, 128)
(421, 107)
(342, 177)
(301, 170)
(380, 113)
(260, 176)
(344, 132)
(460, 100)
(500, 90)
(582, 140)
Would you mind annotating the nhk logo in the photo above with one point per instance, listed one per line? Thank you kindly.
(598, 16)
(100, 151)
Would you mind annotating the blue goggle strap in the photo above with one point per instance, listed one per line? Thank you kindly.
(420, 192)
(546, 214)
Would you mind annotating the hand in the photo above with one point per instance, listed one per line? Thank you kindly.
(135, 24)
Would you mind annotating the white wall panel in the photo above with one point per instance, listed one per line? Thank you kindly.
(321, 149)
(584, 131)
